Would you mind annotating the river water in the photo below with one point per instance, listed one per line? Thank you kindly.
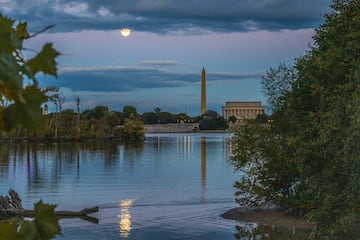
(171, 186)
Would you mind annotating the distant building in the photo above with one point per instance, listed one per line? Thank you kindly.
(242, 110)
(46, 110)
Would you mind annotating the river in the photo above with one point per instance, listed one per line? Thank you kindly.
(171, 186)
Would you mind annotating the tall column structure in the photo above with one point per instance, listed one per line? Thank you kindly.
(203, 91)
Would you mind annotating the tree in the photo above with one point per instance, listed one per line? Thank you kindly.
(20, 103)
(326, 108)
(232, 119)
(129, 112)
(133, 130)
(58, 100)
(277, 83)
(157, 110)
(165, 117)
(270, 176)
(316, 131)
(262, 118)
(67, 123)
(100, 112)
(211, 120)
(265, 153)
(150, 118)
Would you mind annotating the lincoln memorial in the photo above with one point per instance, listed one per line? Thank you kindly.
(242, 110)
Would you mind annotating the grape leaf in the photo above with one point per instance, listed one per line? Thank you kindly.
(46, 221)
(9, 41)
(8, 231)
(21, 31)
(28, 231)
(44, 61)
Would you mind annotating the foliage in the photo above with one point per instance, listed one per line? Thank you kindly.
(129, 112)
(66, 123)
(315, 132)
(262, 118)
(211, 120)
(159, 117)
(326, 106)
(20, 101)
(20, 97)
(270, 176)
(277, 83)
(133, 129)
(150, 117)
(232, 119)
(44, 226)
(98, 122)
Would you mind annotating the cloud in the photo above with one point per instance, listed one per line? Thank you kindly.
(160, 63)
(169, 16)
(122, 79)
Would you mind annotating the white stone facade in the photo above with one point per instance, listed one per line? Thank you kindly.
(242, 110)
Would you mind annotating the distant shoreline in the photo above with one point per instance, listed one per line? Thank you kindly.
(89, 139)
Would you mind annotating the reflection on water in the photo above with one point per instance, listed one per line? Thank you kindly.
(181, 183)
(183, 146)
(125, 217)
(254, 231)
(203, 168)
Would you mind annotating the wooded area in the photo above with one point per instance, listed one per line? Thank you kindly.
(307, 159)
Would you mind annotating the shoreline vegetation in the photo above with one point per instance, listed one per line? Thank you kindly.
(306, 160)
(101, 123)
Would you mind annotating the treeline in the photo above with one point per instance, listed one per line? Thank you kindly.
(101, 122)
(307, 160)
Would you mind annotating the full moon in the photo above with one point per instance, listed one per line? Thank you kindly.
(125, 32)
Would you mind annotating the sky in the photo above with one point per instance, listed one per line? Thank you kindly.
(160, 63)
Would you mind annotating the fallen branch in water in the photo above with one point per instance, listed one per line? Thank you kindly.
(10, 206)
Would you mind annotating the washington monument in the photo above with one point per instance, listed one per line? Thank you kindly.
(203, 92)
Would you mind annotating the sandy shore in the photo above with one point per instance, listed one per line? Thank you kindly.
(269, 217)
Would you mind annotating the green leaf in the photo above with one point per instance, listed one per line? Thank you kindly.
(46, 221)
(25, 115)
(8, 231)
(22, 103)
(9, 75)
(21, 31)
(34, 96)
(28, 231)
(44, 61)
(9, 41)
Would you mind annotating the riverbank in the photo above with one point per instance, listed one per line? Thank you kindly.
(66, 139)
(267, 217)
(88, 139)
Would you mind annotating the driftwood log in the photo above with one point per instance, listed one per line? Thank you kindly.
(10, 206)
(10, 201)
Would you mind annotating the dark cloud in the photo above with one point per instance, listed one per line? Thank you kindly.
(160, 63)
(117, 79)
(163, 16)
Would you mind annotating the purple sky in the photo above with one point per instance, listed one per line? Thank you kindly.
(159, 64)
